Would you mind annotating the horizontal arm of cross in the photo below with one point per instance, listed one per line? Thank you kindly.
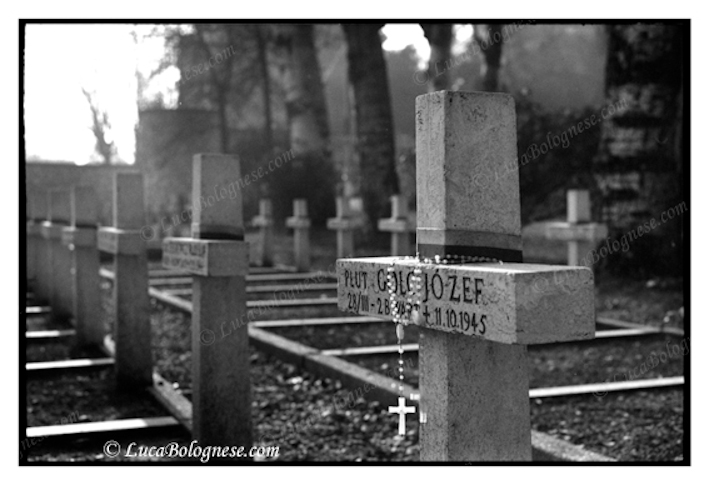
(511, 303)
(205, 257)
(566, 231)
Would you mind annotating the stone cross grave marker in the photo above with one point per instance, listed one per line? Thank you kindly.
(398, 225)
(264, 221)
(134, 364)
(58, 256)
(218, 257)
(80, 238)
(344, 223)
(300, 223)
(36, 264)
(476, 319)
(578, 229)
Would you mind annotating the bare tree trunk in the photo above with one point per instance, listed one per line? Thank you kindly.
(375, 126)
(305, 95)
(491, 48)
(100, 126)
(440, 38)
(639, 166)
(261, 44)
(220, 82)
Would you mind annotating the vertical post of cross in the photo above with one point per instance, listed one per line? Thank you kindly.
(398, 225)
(459, 135)
(218, 257)
(134, 364)
(578, 210)
(344, 223)
(300, 223)
(264, 221)
(80, 238)
(477, 304)
(59, 258)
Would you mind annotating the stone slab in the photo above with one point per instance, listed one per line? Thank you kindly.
(120, 241)
(511, 303)
(206, 257)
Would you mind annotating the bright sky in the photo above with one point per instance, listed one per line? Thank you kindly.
(61, 59)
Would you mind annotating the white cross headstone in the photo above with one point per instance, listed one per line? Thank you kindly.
(475, 319)
(578, 230)
(300, 223)
(344, 224)
(217, 256)
(264, 221)
(134, 364)
(399, 226)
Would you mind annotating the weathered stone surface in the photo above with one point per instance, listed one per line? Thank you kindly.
(221, 397)
(205, 257)
(510, 303)
(474, 399)
(461, 139)
(134, 367)
(217, 210)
